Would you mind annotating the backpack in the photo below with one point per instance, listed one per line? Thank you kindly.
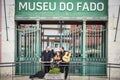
(39, 74)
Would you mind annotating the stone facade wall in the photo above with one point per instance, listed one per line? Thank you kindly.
(8, 47)
(114, 46)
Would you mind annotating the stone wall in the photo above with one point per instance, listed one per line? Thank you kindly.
(8, 47)
(114, 46)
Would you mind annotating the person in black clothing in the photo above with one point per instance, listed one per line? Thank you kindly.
(47, 57)
(52, 52)
(64, 66)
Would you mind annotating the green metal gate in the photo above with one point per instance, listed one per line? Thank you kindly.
(28, 49)
(88, 44)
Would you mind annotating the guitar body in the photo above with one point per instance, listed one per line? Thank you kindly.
(57, 57)
(66, 57)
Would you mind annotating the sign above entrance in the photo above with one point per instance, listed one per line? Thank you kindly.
(61, 9)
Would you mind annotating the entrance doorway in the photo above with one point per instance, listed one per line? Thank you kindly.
(86, 39)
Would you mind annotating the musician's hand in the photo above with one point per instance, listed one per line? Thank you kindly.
(51, 60)
(40, 60)
(59, 62)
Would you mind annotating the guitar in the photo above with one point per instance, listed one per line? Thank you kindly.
(57, 56)
(66, 57)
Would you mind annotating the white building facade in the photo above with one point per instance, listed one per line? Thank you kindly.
(8, 38)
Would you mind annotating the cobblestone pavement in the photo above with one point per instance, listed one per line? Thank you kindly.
(69, 78)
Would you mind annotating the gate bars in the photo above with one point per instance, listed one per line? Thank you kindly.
(71, 39)
(94, 46)
(96, 41)
(28, 46)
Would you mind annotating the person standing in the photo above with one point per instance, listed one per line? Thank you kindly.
(47, 58)
(64, 66)
(57, 58)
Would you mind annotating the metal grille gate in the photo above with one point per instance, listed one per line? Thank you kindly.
(28, 49)
(95, 49)
(87, 45)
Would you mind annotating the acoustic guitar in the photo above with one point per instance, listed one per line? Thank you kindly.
(57, 57)
(66, 57)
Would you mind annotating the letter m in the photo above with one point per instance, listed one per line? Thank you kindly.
(22, 6)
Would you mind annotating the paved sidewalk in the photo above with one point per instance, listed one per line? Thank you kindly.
(69, 78)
